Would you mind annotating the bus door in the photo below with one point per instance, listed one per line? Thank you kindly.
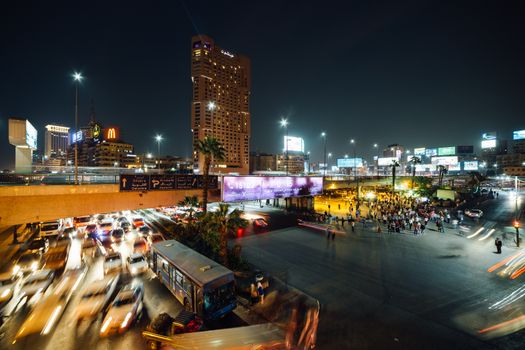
(184, 290)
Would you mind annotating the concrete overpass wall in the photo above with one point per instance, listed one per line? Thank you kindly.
(23, 204)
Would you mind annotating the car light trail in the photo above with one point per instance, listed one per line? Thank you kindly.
(503, 262)
(487, 235)
(517, 273)
(476, 233)
(509, 299)
(502, 324)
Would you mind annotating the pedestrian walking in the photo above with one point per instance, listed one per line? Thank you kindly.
(498, 244)
(353, 224)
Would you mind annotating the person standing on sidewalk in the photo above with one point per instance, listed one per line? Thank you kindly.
(353, 224)
(498, 244)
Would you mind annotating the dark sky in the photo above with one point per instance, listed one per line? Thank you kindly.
(418, 73)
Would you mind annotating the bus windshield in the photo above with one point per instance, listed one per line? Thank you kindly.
(216, 299)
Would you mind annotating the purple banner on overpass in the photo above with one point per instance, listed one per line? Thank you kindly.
(249, 188)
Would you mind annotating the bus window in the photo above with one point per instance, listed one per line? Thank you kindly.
(215, 299)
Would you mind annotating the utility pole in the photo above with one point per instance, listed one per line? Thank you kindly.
(516, 222)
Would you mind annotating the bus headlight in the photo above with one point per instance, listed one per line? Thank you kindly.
(124, 323)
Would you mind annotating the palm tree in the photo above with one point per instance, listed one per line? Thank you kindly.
(190, 201)
(414, 160)
(442, 171)
(210, 148)
(394, 165)
(225, 224)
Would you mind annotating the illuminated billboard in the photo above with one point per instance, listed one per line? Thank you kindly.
(111, 133)
(488, 144)
(454, 167)
(419, 151)
(349, 162)
(294, 144)
(472, 165)
(518, 135)
(489, 135)
(423, 167)
(431, 152)
(22, 133)
(97, 133)
(446, 151)
(249, 188)
(31, 135)
(447, 160)
(77, 136)
(386, 161)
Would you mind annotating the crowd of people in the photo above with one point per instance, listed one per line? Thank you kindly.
(392, 212)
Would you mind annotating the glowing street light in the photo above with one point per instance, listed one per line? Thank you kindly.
(352, 142)
(158, 138)
(284, 124)
(77, 78)
(323, 135)
(376, 146)
(211, 106)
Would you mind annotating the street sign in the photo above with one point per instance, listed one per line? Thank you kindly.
(165, 182)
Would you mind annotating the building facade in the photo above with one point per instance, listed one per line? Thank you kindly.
(220, 104)
(262, 162)
(56, 143)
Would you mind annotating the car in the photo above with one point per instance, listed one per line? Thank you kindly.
(28, 262)
(138, 222)
(137, 264)
(38, 245)
(261, 223)
(106, 244)
(36, 282)
(63, 239)
(91, 231)
(50, 228)
(96, 298)
(117, 235)
(140, 245)
(125, 310)
(9, 289)
(56, 258)
(144, 230)
(126, 226)
(70, 232)
(81, 221)
(473, 213)
(112, 263)
(105, 227)
(154, 238)
(89, 248)
(47, 312)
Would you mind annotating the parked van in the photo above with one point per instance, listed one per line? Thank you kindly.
(50, 228)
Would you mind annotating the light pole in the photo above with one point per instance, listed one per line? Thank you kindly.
(376, 146)
(77, 77)
(158, 138)
(329, 157)
(356, 178)
(284, 124)
(516, 222)
(323, 135)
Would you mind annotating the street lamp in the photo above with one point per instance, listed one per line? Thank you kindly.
(284, 124)
(77, 77)
(323, 135)
(158, 138)
(376, 146)
(352, 141)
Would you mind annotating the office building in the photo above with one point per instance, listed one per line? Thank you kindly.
(56, 142)
(220, 104)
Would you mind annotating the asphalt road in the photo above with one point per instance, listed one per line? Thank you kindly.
(398, 291)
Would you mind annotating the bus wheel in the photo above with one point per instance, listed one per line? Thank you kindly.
(187, 305)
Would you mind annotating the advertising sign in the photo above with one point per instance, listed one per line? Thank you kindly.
(465, 149)
(431, 152)
(448, 160)
(489, 135)
(472, 165)
(518, 135)
(423, 167)
(419, 151)
(385, 161)
(446, 151)
(454, 167)
(349, 162)
(77, 136)
(294, 144)
(165, 182)
(97, 133)
(248, 188)
(111, 133)
(488, 144)
(31, 135)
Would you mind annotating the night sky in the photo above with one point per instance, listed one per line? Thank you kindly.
(417, 73)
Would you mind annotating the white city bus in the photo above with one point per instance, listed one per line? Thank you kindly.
(200, 284)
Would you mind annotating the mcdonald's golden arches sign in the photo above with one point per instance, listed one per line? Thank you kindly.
(111, 133)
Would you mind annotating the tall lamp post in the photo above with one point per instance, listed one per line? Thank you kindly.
(158, 138)
(77, 77)
(323, 135)
(516, 222)
(284, 124)
(356, 178)
(376, 146)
